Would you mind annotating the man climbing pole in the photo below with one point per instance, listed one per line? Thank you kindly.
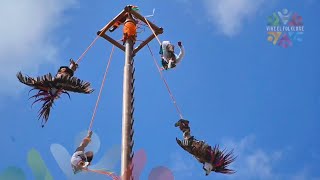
(80, 159)
(212, 159)
(168, 57)
(50, 88)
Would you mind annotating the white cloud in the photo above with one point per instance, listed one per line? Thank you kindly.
(255, 163)
(303, 175)
(252, 162)
(230, 15)
(26, 33)
(183, 166)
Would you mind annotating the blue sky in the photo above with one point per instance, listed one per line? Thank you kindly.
(236, 88)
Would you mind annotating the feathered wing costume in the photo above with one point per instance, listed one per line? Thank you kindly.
(204, 153)
(50, 88)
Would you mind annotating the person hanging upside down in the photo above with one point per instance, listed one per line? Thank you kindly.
(67, 71)
(80, 159)
(168, 57)
(213, 159)
(50, 88)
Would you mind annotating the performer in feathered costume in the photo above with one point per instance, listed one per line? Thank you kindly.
(213, 159)
(50, 88)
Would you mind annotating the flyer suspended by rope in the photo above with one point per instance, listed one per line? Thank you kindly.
(100, 91)
(169, 59)
(51, 87)
(213, 159)
(80, 160)
(165, 82)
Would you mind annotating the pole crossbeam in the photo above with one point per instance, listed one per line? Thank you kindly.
(128, 11)
(129, 18)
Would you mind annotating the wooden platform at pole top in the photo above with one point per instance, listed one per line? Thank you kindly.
(125, 12)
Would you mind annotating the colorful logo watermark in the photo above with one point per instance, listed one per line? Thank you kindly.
(284, 28)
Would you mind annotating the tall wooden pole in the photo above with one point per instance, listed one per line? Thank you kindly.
(129, 39)
(128, 100)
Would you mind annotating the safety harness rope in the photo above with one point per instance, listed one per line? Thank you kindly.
(92, 43)
(160, 71)
(157, 36)
(102, 84)
(152, 30)
(165, 82)
(114, 177)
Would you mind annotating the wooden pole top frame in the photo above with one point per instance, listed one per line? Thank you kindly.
(128, 11)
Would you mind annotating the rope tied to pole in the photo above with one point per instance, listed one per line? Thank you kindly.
(99, 95)
(89, 47)
(114, 177)
(165, 82)
(156, 35)
(152, 30)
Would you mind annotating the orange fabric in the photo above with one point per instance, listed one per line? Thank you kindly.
(86, 140)
(130, 29)
(117, 24)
